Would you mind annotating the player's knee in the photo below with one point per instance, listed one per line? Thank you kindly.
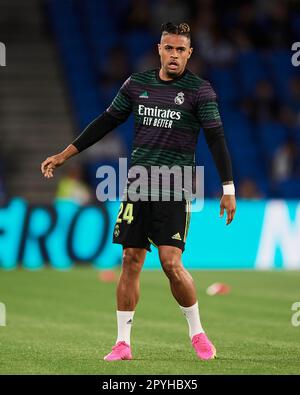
(171, 265)
(132, 262)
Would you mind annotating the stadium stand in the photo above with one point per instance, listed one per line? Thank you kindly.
(35, 120)
(252, 79)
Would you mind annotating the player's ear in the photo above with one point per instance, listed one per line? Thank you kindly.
(191, 51)
(159, 48)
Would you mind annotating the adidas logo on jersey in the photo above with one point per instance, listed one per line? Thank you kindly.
(177, 237)
(144, 95)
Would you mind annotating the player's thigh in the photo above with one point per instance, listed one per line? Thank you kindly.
(170, 223)
(131, 226)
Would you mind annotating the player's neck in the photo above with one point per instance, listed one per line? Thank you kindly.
(165, 77)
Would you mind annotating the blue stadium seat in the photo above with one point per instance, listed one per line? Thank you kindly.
(79, 71)
(281, 71)
(99, 28)
(224, 82)
(250, 70)
(271, 136)
(289, 189)
(296, 23)
(296, 134)
(137, 43)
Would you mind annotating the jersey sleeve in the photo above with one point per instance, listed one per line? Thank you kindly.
(207, 107)
(122, 105)
(208, 115)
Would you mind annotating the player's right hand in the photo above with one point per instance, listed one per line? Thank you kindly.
(50, 164)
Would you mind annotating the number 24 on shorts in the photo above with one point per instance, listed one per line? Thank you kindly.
(127, 213)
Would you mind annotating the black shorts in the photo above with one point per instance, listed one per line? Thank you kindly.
(140, 224)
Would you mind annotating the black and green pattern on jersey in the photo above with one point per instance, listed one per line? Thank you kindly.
(168, 116)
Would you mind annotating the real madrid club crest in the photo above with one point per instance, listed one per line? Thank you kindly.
(179, 99)
(117, 231)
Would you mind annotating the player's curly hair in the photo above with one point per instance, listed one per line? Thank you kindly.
(182, 29)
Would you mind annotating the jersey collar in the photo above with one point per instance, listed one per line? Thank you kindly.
(170, 81)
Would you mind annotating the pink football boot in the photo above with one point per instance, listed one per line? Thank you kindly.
(120, 351)
(203, 347)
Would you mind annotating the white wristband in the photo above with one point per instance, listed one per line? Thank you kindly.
(228, 189)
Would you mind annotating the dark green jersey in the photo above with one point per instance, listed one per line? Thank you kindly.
(167, 115)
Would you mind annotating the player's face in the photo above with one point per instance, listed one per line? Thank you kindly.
(174, 51)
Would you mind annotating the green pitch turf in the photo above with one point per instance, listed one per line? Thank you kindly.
(64, 323)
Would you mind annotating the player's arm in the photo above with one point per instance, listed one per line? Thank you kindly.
(217, 144)
(94, 132)
(116, 114)
(209, 116)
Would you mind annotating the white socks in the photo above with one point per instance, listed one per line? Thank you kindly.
(193, 318)
(125, 319)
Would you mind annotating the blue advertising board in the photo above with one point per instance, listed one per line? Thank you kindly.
(263, 235)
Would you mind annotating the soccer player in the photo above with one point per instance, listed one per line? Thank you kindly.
(170, 105)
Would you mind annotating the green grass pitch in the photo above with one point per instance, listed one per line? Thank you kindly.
(64, 323)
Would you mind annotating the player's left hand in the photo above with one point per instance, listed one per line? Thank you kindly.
(229, 204)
